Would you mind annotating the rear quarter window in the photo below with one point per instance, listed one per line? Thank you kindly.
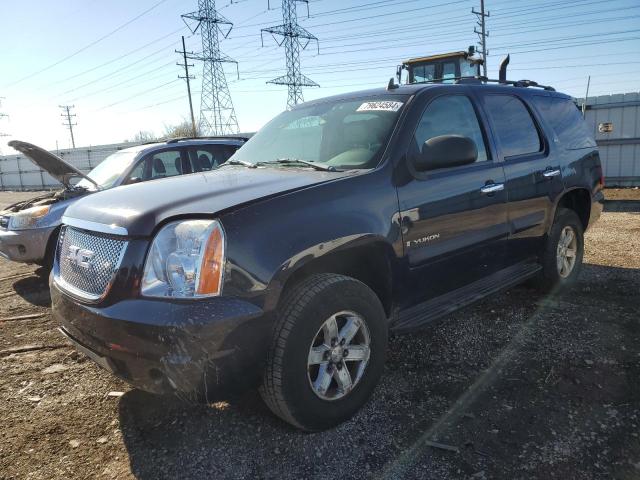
(566, 121)
(515, 129)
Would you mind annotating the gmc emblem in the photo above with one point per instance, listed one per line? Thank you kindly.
(80, 256)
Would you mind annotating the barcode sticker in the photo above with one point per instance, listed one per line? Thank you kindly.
(379, 107)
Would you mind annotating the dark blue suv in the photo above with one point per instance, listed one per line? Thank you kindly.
(340, 221)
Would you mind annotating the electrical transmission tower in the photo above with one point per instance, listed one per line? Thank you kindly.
(188, 77)
(482, 34)
(66, 116)
(217, 115)
(294, 38)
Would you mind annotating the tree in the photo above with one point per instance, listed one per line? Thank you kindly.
(182, 129)
(144, 136)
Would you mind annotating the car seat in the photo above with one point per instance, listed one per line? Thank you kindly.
(159, 170)
(205, 162)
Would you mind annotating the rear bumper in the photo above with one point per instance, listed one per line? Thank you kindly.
(28, 246)
(211, 347)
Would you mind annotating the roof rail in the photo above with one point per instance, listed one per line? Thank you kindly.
(213, 137)
(481, 79)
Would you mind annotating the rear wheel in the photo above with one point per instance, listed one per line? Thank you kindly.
(327, 352)
(562, 257)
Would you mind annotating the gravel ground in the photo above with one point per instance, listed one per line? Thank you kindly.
(631, 193)
(518, 386)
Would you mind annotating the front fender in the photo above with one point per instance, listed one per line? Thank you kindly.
(269, 241)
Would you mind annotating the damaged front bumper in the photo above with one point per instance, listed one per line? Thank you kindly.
(207, 348)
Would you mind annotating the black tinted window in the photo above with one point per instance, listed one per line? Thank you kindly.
(450, 115)
(514, 126)
(566, 121)
(210, 157)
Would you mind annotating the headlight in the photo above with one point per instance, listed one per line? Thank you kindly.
(27, 218)
(186, 260)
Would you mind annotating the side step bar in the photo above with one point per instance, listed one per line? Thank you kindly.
(420, 315)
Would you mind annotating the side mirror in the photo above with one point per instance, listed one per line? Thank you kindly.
(446, 151)
(133, 180)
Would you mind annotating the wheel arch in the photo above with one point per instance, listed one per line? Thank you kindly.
(577, 199)
(369, 261)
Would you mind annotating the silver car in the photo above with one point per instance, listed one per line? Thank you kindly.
(29, 229)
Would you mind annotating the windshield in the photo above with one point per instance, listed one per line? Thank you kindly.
(344, 134)
(109, 170)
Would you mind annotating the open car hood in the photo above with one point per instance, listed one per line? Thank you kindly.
(52, 164)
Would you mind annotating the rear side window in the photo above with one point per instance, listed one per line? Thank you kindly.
(567, 122)
(210, 157)
(515, 129)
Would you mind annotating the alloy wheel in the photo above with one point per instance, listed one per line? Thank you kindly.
(338, 355)
(567, 251)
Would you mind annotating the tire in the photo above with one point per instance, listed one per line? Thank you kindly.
(555, 278)
(47, 261)
(304, 320)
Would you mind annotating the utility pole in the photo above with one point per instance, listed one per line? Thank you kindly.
(217, 115)
(3, 115)
(482, 34)
(188, 77)
(586, 97)
(294, 38)
(66, 116)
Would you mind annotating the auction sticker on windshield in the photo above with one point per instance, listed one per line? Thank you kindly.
(379, 107)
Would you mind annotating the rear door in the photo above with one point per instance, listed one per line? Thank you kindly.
(453, 220)
(532, 171)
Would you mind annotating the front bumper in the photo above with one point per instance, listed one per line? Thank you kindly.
(28, 246)
(205, 348)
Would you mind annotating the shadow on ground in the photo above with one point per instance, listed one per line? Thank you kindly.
(34, 289)
(529, 386)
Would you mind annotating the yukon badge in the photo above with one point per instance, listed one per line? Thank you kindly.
(80, 257)
(422, 241)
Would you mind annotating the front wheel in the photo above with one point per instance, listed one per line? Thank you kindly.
(327, 353)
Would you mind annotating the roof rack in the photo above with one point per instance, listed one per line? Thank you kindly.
(214, 137)
(481, 79)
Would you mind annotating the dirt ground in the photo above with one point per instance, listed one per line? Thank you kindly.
(518, 386)
(632, 193)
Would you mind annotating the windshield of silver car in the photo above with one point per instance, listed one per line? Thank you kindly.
(107, 172)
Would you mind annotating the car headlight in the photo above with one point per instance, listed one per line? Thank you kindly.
(186, 260)
(27, 218)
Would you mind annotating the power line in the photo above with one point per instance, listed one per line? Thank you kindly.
(86, 47)
(66, 115)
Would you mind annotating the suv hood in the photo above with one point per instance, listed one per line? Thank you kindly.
(52, 164)
(140, 207)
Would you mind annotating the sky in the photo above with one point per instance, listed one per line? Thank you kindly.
(115, 60)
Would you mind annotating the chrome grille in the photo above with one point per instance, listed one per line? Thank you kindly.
(87, 261)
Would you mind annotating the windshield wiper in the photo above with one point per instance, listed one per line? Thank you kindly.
(293, 161)
(239, 162)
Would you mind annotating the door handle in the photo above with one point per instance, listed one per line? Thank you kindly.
(492, 188)
(550, 173)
